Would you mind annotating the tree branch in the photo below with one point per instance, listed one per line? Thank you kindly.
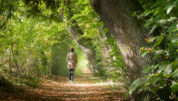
(8, 16)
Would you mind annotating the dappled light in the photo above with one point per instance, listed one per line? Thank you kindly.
(83, 88)
(88, 50)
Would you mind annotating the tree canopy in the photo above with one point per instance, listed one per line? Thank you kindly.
(133, 42)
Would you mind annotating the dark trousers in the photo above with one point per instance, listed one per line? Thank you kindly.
(71, 74)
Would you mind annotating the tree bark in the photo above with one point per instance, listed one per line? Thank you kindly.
(84, 44)
(127, 30)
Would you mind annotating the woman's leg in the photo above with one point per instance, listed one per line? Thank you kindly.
(71, 74)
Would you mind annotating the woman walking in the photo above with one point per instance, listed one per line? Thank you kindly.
(72, 61)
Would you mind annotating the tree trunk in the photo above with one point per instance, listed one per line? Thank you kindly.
(127, 31)
(84, 44)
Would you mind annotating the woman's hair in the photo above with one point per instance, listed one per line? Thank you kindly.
(71, 49)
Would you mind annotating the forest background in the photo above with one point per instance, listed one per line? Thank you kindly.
(35, 36)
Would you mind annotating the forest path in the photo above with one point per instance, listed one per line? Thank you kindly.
(84, 88)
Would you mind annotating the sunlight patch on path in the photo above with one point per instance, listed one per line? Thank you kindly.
(91, 85)
(87, 84)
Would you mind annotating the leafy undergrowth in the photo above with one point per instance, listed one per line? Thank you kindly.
(58, 89)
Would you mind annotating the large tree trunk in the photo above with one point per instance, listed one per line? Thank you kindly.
(127, 31)
(84, 44)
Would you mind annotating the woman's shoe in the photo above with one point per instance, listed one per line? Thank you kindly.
(70, 81)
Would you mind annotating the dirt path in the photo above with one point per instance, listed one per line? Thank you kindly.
(84, 88)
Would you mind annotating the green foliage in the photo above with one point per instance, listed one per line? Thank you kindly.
(27, 43)
(161, 78)
(134, 86)
(35, 42)
(117, 67)
(59, 64)
(23, 80)
(82, 62)
(6, 11)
